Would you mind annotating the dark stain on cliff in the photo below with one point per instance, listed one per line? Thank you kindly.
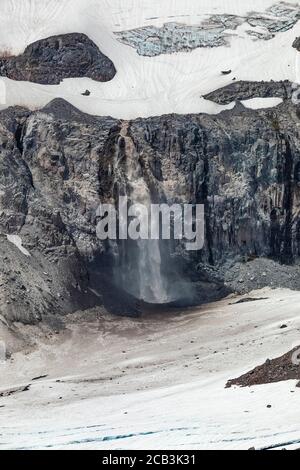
(287, 252)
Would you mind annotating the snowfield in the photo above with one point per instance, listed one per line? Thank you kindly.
(156, 382)
(144, 86)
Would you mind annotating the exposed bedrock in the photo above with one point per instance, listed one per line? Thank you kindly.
(244, 90)
(57, 165)
(49, 61)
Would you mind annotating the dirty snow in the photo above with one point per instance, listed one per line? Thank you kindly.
(157, 382)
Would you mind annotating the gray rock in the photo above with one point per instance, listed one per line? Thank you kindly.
(296, 44)
(241, 90)
(49, 61)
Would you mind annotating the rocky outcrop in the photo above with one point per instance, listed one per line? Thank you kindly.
(286, 367)
(243, 90)
(49, 61)
(296, 44)
(58, 164)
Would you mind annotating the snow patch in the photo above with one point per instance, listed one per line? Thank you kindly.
(261, 103)
(2, 94)
(17, 241)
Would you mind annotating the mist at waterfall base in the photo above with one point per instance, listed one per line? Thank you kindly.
(148, 271)
(146, 253)
(148, 266)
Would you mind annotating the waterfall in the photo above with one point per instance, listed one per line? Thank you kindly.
(140, 268)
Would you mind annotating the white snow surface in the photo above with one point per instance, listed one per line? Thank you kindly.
(260, 103)
(158, 382)
(143, 86)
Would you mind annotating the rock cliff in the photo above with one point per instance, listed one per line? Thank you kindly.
(57, 164)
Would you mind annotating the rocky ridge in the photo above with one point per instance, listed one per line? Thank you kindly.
(243, 90)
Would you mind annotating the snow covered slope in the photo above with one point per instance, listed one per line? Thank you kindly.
(143, 86)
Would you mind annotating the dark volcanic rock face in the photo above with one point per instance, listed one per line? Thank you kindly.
(243, 165)
(51, 60)
(58, 164)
